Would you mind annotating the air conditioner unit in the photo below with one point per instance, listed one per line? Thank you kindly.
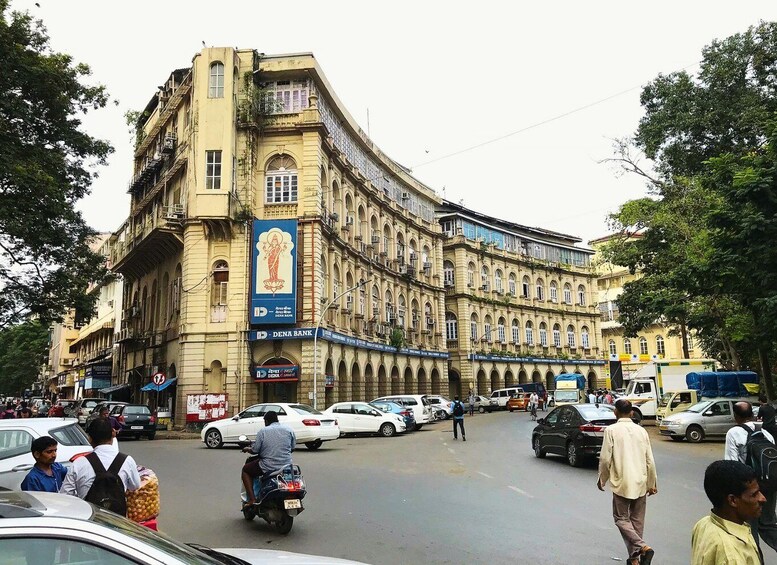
(168, 145)
(470, 285)
(448, 283)
(335, 216)
(405, 196)
(375, 239)
(430, 322)
(412, 256)
(484, 287)
(346, 227)
(376, 311)
(427, 266)
(349, 220)
(403, 269)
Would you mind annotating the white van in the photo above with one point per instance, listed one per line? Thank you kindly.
(500, 396)
(421, 407)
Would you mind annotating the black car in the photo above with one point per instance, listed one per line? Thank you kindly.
(109, 404)
(574, 431)
(136, 420)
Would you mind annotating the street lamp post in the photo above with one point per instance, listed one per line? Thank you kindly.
(315, 337)
(474, 376)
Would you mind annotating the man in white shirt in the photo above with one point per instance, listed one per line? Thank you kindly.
(626, 460)
(81, 476)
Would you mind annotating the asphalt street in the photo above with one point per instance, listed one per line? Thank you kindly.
(425, 498)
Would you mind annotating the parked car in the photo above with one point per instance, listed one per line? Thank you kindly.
(38, 525)
(136, 420)
(395, 408)
(440, 403)
(574, 431)
(418, 403)
(361, 418)
(310, 426)
(481, 404)
(17, 435)
(109, 404)
(84, 407)
(713, 417)
(500, 396)
(63, 408)
(518, 402)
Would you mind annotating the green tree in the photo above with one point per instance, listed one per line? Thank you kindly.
(48, 165)
(23, 349)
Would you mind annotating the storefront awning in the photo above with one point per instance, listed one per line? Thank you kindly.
(114, 388)
(163, 386)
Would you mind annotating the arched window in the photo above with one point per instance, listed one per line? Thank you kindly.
(500, 330)
(484, 279)
(220, 283)
(660, 345)
(540, 290)
(336, 283)
(216, 81)
(473, 327)
(487, 329)
(471, 275)
(543, 334)
(525, 290)
(567, 294)
(511, 284)
(165, 298)
(401, 311)
(324, 279)
(375, 301)
(571, 336)
(390, 319)
(643, 348)
(280, 180)
(612, 346)
(529, 333)
(581, 295)
(451, 326)
(556, 335)
(414, 314)
(498, 281)
(362, 300)
(627, 346)
(448, 276)
(553, 291)
(584, 338)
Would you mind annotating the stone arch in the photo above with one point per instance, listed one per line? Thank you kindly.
(281, 392)
(369, 383)
(592, 380)
(396, 383)
(423, 385)
(214, 381)
(509, 378)
(522, 376)
(536, 376)
(496, 380)
(357, 385)
(483, 387)
(343, 386)
(409, 381)
(550, 380)
(383, 388)
(436, 380)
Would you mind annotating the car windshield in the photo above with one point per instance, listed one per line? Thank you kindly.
(592, 412)
(157, 540)
(699, 407)
(137, 410)
(304, 409)
(566, 396)
(665, 398)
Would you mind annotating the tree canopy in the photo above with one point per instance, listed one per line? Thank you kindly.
(706, 230)
(23, 348)
(48, 165)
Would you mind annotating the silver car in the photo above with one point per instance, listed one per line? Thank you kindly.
(712, 417)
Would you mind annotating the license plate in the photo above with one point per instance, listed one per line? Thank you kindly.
(136, 427)
(292, 503)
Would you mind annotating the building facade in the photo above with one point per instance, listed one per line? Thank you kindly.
(520, 303)
(61, 377)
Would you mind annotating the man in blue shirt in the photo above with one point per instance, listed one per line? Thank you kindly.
(274, 443)
(458, 418)
(46, 475)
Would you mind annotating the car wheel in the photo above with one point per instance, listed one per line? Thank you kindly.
(387, 430)
(677, 438)
(152, 435)
(538, 451)
(313, 445)
(418, 426)
(213, 439)
(574, 457)
(249, 514)
(283, 526)
(509, 409)
(694, 434)
(481, 410)
(636, 416)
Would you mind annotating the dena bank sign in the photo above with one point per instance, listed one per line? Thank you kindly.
(274, 272)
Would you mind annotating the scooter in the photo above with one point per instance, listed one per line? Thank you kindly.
(278, 496)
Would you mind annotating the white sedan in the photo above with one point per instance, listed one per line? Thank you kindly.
(310, 426)
(361, 418)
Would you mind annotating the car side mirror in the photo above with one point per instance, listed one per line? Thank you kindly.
(236, 418)
(541, 421)
(708, 413)
(375, 413)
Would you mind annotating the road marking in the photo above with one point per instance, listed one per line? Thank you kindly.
(485, 475)
(519, 491)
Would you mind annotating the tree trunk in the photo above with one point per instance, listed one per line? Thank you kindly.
(766, 371)
(684, 336)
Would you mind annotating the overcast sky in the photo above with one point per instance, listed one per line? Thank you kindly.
(437, 78)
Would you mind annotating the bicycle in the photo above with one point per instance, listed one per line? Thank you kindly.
(534, 412)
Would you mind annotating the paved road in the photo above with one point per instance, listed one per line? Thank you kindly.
(424, 498)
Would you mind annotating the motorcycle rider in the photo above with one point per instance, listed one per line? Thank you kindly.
(274, 443)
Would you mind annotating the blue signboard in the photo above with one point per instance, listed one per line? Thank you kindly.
(276, 373)
(99, 371)
(553, 360)
(274, 272)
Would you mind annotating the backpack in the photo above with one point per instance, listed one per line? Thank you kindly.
(458, 409)
(107, 490)
(761, 456)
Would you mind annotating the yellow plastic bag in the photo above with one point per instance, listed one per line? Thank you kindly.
(143, 504)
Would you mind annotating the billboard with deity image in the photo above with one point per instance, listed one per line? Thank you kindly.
(274, 272)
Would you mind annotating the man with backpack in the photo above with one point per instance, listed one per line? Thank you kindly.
(458, 418)
(105, 475)
(755, 448)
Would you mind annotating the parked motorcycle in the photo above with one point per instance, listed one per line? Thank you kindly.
(278, 495)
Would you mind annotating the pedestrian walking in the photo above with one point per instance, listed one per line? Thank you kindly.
(724, 536)
(626, 460)
(471, 401)
(458, 418)
(765, 526)
(533, 401)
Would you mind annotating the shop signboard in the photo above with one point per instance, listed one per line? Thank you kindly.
(94, 383)
(329, 381)
(274, 272)
(206, 407)
(99, 371)
(276, 373)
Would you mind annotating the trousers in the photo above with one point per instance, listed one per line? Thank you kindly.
(629, 516)
(460, 423)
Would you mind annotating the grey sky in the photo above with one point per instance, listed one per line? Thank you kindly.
(437, 77)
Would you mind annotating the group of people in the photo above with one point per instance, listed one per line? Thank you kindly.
(743, 508)
(600, 396)
(17, 410)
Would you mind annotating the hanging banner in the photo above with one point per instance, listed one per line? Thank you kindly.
(274, 272)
